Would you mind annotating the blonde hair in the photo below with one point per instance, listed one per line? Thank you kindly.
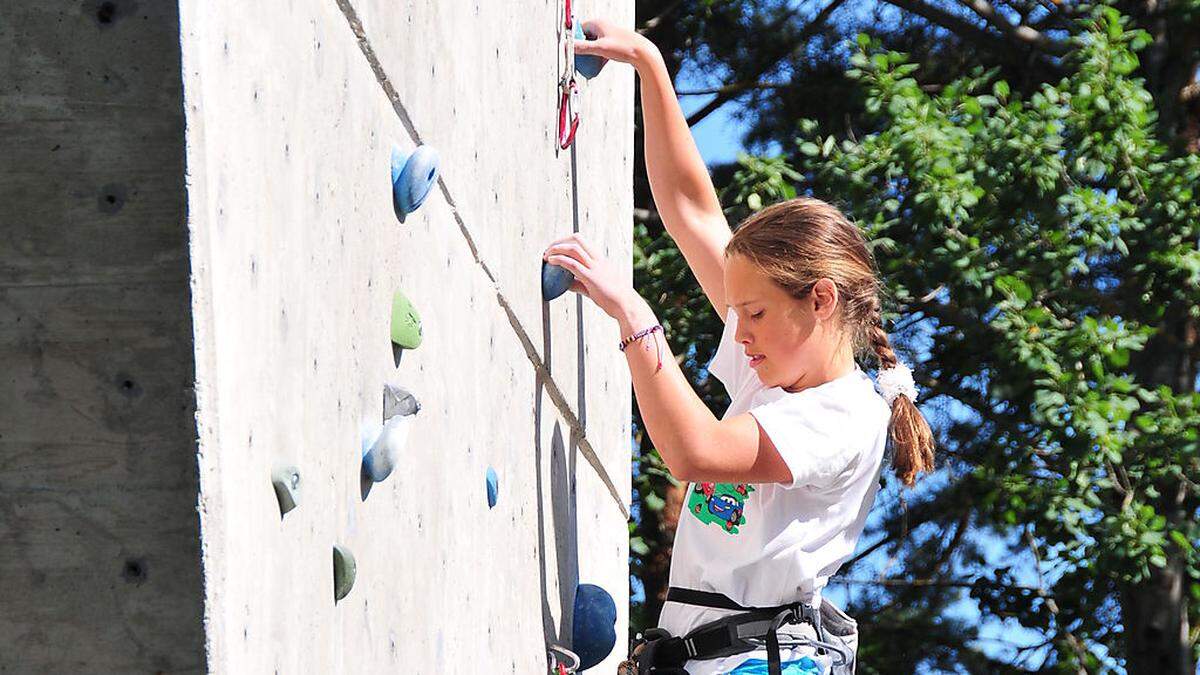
(797, 242)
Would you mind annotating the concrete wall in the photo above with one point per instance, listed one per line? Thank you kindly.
(292, 110)
(99, 538)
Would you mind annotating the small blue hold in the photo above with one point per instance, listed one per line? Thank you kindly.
(593, 631)
(587, 65)
(413, 176)
(493, 487)
(555, 281)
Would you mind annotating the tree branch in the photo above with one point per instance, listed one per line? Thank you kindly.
(805, 33)
(1020, 33)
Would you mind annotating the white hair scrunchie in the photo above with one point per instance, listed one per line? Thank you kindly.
(894, 381)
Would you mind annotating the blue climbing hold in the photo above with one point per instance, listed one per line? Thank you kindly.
(413, 175)
(587, 65)
(493, 487)
(593, 631)
(555, 281)
(384, 452)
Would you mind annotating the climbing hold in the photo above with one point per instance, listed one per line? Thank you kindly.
(413, 175)
(587, 65)
(343, 572)
(287, 487)
(384, 453)
(406, 326)
(593, 633)
(398, 401)
(493, 487)
(555, 281)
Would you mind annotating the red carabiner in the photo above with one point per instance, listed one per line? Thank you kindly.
(570, 17)
(566, 133)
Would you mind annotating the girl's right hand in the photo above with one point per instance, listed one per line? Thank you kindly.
(615, 43)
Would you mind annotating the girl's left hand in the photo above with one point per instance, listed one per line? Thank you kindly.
(595, 275)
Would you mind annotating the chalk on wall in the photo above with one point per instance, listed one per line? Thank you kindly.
(286, 481)
(406, 326)
(413, 176)
(344, 571)
(593, 630)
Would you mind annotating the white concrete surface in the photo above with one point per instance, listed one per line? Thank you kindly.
(292, 109)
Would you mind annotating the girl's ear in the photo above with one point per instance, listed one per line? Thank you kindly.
(825, 298)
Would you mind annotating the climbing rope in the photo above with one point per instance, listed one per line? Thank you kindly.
(568, 102)
(555, 654)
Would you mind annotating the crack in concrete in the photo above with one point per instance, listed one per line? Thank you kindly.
(556, 395)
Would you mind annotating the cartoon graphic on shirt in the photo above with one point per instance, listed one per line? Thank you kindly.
(723, 503)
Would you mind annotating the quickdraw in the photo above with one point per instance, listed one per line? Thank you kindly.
(562, 660)
(568, 102)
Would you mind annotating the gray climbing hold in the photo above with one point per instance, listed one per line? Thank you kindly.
(343, 572)
(287, 488)
(555, 281)
(383, 455)
(587, 65)
(398, 401)
(413, 175)
(493, 487)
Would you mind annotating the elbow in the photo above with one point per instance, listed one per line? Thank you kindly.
(686, 468)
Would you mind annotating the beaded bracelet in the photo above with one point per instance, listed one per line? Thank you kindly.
(641, 334)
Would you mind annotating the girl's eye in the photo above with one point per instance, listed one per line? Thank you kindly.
(755, 316)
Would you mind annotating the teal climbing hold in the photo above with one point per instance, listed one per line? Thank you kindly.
(286, 481)
(594, 627)
(413, 176)
(493, 487)
(555, 281)
(344, 571)
(587, 65)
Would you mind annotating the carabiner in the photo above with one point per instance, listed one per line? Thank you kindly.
(568, 108)
(559, 666)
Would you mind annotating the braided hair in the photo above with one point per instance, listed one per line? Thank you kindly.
(799, 241)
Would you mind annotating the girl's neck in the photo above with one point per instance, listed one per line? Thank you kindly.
(840, 364)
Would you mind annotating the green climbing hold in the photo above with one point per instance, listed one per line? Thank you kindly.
(406, 325)
(343, 572)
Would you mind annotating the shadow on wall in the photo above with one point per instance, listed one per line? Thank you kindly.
(561, 481)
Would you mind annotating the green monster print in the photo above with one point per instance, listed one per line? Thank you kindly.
(722, 503)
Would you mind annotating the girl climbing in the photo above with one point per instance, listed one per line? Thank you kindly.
(780, 486)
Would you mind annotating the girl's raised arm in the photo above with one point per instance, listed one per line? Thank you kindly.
(679, 181)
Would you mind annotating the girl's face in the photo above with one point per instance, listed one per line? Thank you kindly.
(786, 340)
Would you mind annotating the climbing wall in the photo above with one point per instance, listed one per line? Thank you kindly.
(293, 111)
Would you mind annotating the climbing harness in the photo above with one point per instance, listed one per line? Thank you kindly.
(568, 102)
(562, 660)
(656, 652)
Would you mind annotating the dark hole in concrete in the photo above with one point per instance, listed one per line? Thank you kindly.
(128, 386)
(134, 571)
(106, 12)
(112, 198)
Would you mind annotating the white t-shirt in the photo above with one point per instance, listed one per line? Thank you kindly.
(769, 544)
